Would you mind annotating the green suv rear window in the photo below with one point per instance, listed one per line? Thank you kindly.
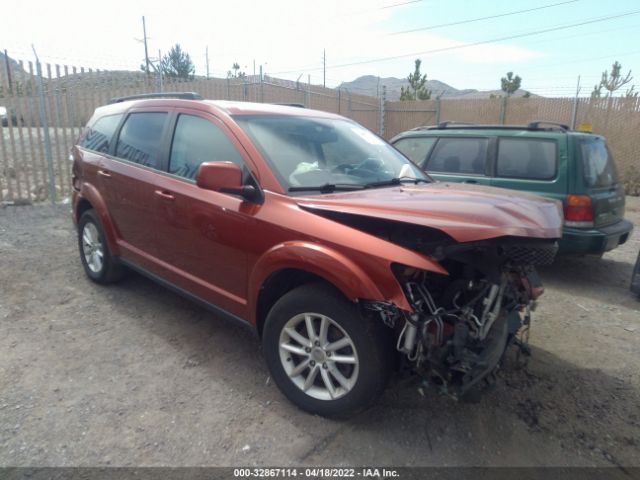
(459, 155)
(598, 166)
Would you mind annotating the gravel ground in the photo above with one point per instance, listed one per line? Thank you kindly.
(133, 375)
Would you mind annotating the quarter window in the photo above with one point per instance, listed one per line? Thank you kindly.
(141, 137)
(533, 159)
(197, 140)
(459, 155)
(599, 168)
(416, 149)
(99, 135)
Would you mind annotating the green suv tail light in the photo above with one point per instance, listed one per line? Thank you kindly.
(578, 211)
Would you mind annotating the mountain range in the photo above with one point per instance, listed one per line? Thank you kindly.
(370, 85)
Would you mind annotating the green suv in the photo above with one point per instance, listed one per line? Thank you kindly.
(543, 158)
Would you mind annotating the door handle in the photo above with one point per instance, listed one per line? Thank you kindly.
(165, 195)
(104, 173)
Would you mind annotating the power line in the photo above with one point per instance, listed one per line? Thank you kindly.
(401, 4)
(478, 19)
(474, 44)
(604, 57)
(384, 7)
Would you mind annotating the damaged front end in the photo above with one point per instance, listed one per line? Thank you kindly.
(463, 322)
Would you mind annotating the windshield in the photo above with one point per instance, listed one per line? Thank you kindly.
(327, 154)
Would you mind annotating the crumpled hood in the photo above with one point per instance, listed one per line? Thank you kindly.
(464, 212)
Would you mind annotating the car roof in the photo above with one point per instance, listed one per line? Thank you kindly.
(233, 108)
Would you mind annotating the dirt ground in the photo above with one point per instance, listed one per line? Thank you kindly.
(133, 375)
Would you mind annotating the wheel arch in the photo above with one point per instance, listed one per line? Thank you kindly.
(280, 283)
(91, 199)
(292, 264)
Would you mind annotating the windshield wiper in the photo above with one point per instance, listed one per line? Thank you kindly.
(328, 187)
(396, 181)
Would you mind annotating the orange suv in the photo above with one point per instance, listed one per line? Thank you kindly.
(346, 259)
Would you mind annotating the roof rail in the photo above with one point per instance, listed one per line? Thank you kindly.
(536, 125)
(441, 125)
(298, 105)
(452, 122)
(182, 95)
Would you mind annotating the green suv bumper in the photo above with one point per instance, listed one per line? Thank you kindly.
(594, 241)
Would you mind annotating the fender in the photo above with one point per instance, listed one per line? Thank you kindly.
(324, 262)
(91, 194)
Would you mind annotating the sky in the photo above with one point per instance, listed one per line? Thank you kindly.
(549, 43)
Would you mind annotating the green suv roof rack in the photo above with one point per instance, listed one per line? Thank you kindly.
(537, 125)
(182, 95)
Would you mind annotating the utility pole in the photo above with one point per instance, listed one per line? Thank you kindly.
(324, 67)
(146, 51)
(207, 56)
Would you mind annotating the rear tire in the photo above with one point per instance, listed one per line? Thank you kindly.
(323, 354)
(95, 256)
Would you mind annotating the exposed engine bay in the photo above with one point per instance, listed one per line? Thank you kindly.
(463, 323)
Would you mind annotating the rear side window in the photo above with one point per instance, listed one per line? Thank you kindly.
(140, 138)
(459, 155)
(597, 163)
(534, 159)
(197, 140)
(416, 149)
(99, 135)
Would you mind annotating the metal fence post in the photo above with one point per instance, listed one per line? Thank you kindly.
(503, 110)
(574, 114)
(383, 99)
(261, 86)
(45, 130)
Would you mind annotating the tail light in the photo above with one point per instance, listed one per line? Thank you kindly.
(578, 211)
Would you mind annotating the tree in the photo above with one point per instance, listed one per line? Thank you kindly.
(235, 71)
(510, 84)
(417, 89)
(177, 64)
(612, 82)
(527, 94)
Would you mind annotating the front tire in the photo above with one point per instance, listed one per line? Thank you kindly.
(323, 354)
(96, 258)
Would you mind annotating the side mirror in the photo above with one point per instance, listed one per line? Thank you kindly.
(225, 177)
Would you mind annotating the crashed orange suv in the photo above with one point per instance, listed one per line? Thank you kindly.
(346, 259)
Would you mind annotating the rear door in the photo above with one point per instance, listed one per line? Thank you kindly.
(531, 164)
(460, 159)
(601, 180)
(137, 159)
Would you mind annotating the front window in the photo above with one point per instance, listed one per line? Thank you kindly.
(327, 154)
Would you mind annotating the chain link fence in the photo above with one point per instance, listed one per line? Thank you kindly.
(45, 108)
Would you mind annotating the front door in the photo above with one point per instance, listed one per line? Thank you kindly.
(204, 236)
